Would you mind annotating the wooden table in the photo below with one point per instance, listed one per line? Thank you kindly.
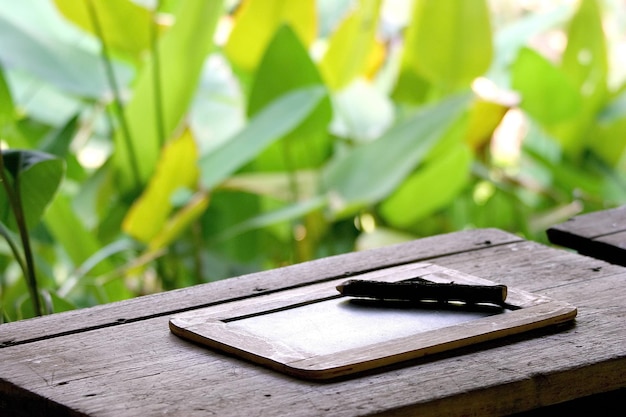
(601, 234)
(121, 359)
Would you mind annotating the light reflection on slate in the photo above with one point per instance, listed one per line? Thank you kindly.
(335, 325)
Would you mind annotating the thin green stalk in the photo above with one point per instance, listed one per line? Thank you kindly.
(156, 76)
(4, 232)
(294, 190)
(198, 244)
(117, 98)
(15, 200)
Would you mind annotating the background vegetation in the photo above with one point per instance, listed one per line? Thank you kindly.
(150, 145)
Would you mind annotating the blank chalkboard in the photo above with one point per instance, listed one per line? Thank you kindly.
(313, 332)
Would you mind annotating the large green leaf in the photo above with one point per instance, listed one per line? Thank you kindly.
(430, 188)
(371, 172)
(351, 45)
(256, 22)
(275, 121)
(448, 42)
(36, 176)
(585, 65)
(286, 66)
(585, 61)
(183, 50)
(124, 24)
(546, 94)
(28, 46)
(609, 133)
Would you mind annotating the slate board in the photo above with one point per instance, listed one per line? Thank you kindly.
(312, 332)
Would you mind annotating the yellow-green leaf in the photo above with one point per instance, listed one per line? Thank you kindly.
(428, 189)
(584, 60)
(177, 169)
(257, 20)
(484, 118)
(448, 42)
(125, 24)
(351, 47)
(180, 221)
(546, 94)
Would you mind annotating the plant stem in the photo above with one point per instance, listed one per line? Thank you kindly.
(28, 264)
(16, 252)
(108, 66)
(156, 76)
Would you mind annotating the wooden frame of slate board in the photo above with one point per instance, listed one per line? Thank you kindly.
(313, 332)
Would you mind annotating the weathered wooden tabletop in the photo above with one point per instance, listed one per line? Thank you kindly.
(601, 234)
(121, 359)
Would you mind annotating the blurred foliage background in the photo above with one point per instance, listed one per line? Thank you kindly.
(156, 144)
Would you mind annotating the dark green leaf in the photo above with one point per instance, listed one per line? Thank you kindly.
(38, 175)
(286, 66)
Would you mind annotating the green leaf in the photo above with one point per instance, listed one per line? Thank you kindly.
(585, 65)
(67, 229)
(485, 117)
(430, 188)
(546, 94)
(183, 50)
(177, 169)
(180, 221)
(37, 176)
(351, 45)
(517, 34)
(28, 47)
(448, 42)
(609, 133)
(276, 120)
(308, 145)
(371, 172)
(274, 184)
(9, 131)
(80, 245)
(256, 22)
(7, 110)
(125, 25)
(59, 141)
(585, 61)
(284, 214)
(226, 210)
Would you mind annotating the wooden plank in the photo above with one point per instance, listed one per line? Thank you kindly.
(600, 235)
(139, 368)
(247, 286)
(598, 223)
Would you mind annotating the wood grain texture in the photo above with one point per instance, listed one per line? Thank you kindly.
(140, 368)
(185, 299)
(600, 235)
